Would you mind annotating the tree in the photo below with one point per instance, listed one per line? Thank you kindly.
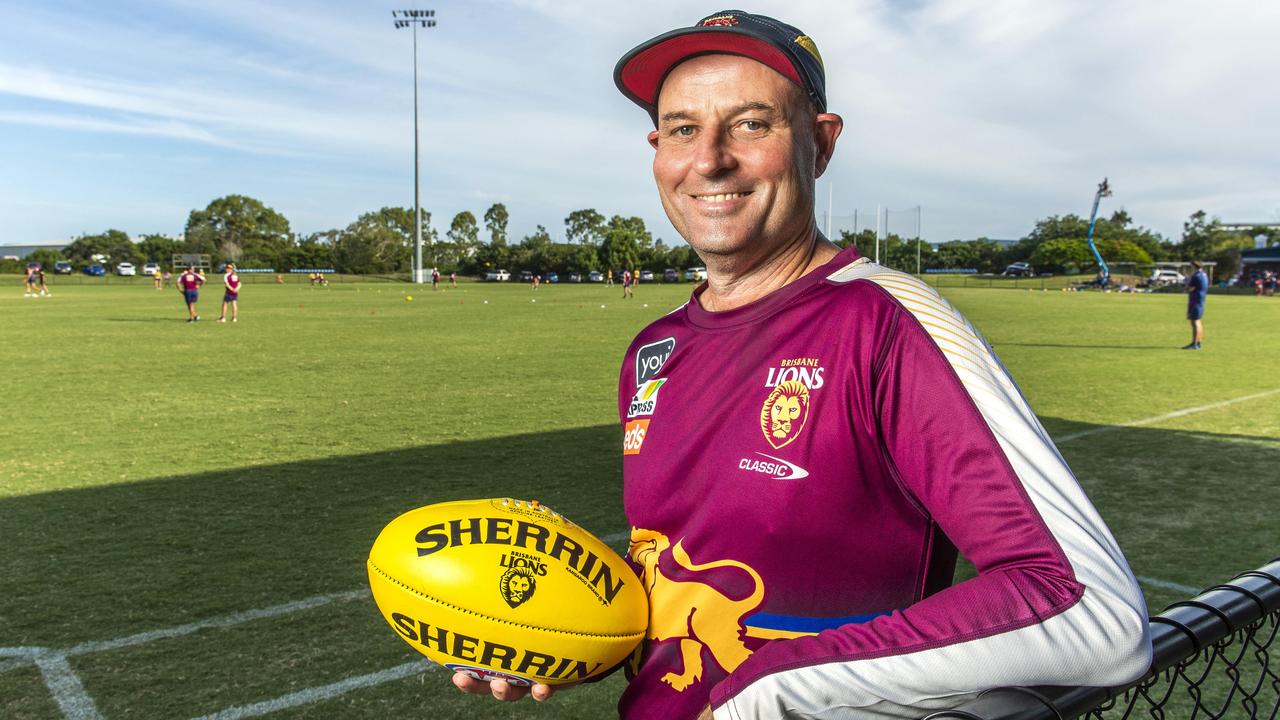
(159, 248)
(1062, 255)
(113, 246)
(240, 229)
(378, 242)
(624, 238)
(495, 220)
(585, 227)
(47, 257)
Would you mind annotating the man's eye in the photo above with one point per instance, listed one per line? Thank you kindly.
(684, 131)
(752, 125)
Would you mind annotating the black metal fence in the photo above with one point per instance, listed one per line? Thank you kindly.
(1213, 659)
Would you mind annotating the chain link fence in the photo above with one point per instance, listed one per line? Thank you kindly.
(1213, 659)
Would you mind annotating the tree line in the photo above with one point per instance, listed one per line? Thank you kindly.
(1059, 244)
(247, 232)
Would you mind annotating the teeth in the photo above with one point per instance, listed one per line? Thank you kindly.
(721, 198)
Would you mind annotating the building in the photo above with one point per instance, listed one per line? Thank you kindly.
(20, 252)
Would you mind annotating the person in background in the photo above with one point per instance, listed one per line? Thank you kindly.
(1197, 289)
(189, 284)
(231, 281)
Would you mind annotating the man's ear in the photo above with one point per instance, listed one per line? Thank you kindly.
(653, 139)
(826, 129)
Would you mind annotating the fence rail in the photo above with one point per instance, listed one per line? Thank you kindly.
(1212, 659)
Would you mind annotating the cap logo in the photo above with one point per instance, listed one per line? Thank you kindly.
(720, 20)
(807, 43)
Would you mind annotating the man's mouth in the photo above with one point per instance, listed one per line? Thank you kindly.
(721, 197)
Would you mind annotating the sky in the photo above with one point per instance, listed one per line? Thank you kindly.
(987, 114)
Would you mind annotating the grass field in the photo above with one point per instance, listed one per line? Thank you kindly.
(186, 509)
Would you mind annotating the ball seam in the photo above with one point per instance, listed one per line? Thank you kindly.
(432, 598)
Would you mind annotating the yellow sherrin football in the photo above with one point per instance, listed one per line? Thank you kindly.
(506, 589)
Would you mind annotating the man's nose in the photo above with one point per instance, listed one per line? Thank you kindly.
(714, 154)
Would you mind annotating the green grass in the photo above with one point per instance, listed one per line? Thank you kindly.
(155, 473)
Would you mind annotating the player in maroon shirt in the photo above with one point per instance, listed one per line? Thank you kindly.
(811, 439)
(189, 284)
(231, 294)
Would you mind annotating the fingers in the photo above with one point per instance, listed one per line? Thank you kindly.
(500, 689)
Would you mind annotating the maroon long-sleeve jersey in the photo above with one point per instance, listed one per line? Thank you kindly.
(799, 474)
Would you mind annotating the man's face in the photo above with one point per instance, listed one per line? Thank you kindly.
(736, 155)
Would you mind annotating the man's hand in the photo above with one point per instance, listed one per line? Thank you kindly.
(705, 714)
(503, 690)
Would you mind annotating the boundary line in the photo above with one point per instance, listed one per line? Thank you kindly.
(1166, 416)
(322, 692)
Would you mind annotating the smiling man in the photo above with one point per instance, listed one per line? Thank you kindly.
(811, 439)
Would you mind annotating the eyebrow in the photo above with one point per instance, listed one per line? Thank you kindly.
(757, 105)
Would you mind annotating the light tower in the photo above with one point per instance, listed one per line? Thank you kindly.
(414, 19)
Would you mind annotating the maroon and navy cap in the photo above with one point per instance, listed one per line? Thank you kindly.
(641, 72)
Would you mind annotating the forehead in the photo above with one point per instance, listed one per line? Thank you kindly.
(723, 80)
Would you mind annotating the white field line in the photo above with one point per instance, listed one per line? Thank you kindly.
(217, 622)
(65, 686)
(1156, 582)
(322, 692)
(1166, 416)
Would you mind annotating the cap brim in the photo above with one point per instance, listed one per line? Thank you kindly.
(640, 73)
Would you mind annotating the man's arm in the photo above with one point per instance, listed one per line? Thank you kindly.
(1054, 601)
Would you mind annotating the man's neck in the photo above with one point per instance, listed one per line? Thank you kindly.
(733, 282)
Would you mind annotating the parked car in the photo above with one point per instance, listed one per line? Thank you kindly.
(552, 278)
(670, 275)
(62, 267)
(595, 276)
(695, 274)
(1166, 277)
(646, 276)
(575, 277)
(526, 276)
(95, 270)
(1019, 269)
(126, 269)
(150, 269)
(497, 275)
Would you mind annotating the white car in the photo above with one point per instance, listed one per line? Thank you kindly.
(124, 269)
(1166, 277)
(695, 274)
(150, 269)
(497, 275)
(595, 276)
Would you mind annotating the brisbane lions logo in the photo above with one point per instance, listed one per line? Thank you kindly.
(784, 412)
(517, 586)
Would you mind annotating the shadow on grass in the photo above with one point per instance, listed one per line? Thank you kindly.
(98, 563)
(103, 562)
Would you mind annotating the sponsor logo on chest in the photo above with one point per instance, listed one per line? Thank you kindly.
(650, 359)
(645, 401)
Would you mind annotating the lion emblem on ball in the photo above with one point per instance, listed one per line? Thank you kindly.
(517, 586)
(784, 412)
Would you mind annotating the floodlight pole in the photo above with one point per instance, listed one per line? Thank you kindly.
(403, 19)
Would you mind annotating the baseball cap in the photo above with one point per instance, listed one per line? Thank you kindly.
(641, 72)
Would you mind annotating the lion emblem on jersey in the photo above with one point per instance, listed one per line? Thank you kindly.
(696, 613)
(784, 412)
(517, 586)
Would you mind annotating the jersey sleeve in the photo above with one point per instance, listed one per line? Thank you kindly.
(1054, 601)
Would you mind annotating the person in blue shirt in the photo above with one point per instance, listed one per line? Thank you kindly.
(1197, 288)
